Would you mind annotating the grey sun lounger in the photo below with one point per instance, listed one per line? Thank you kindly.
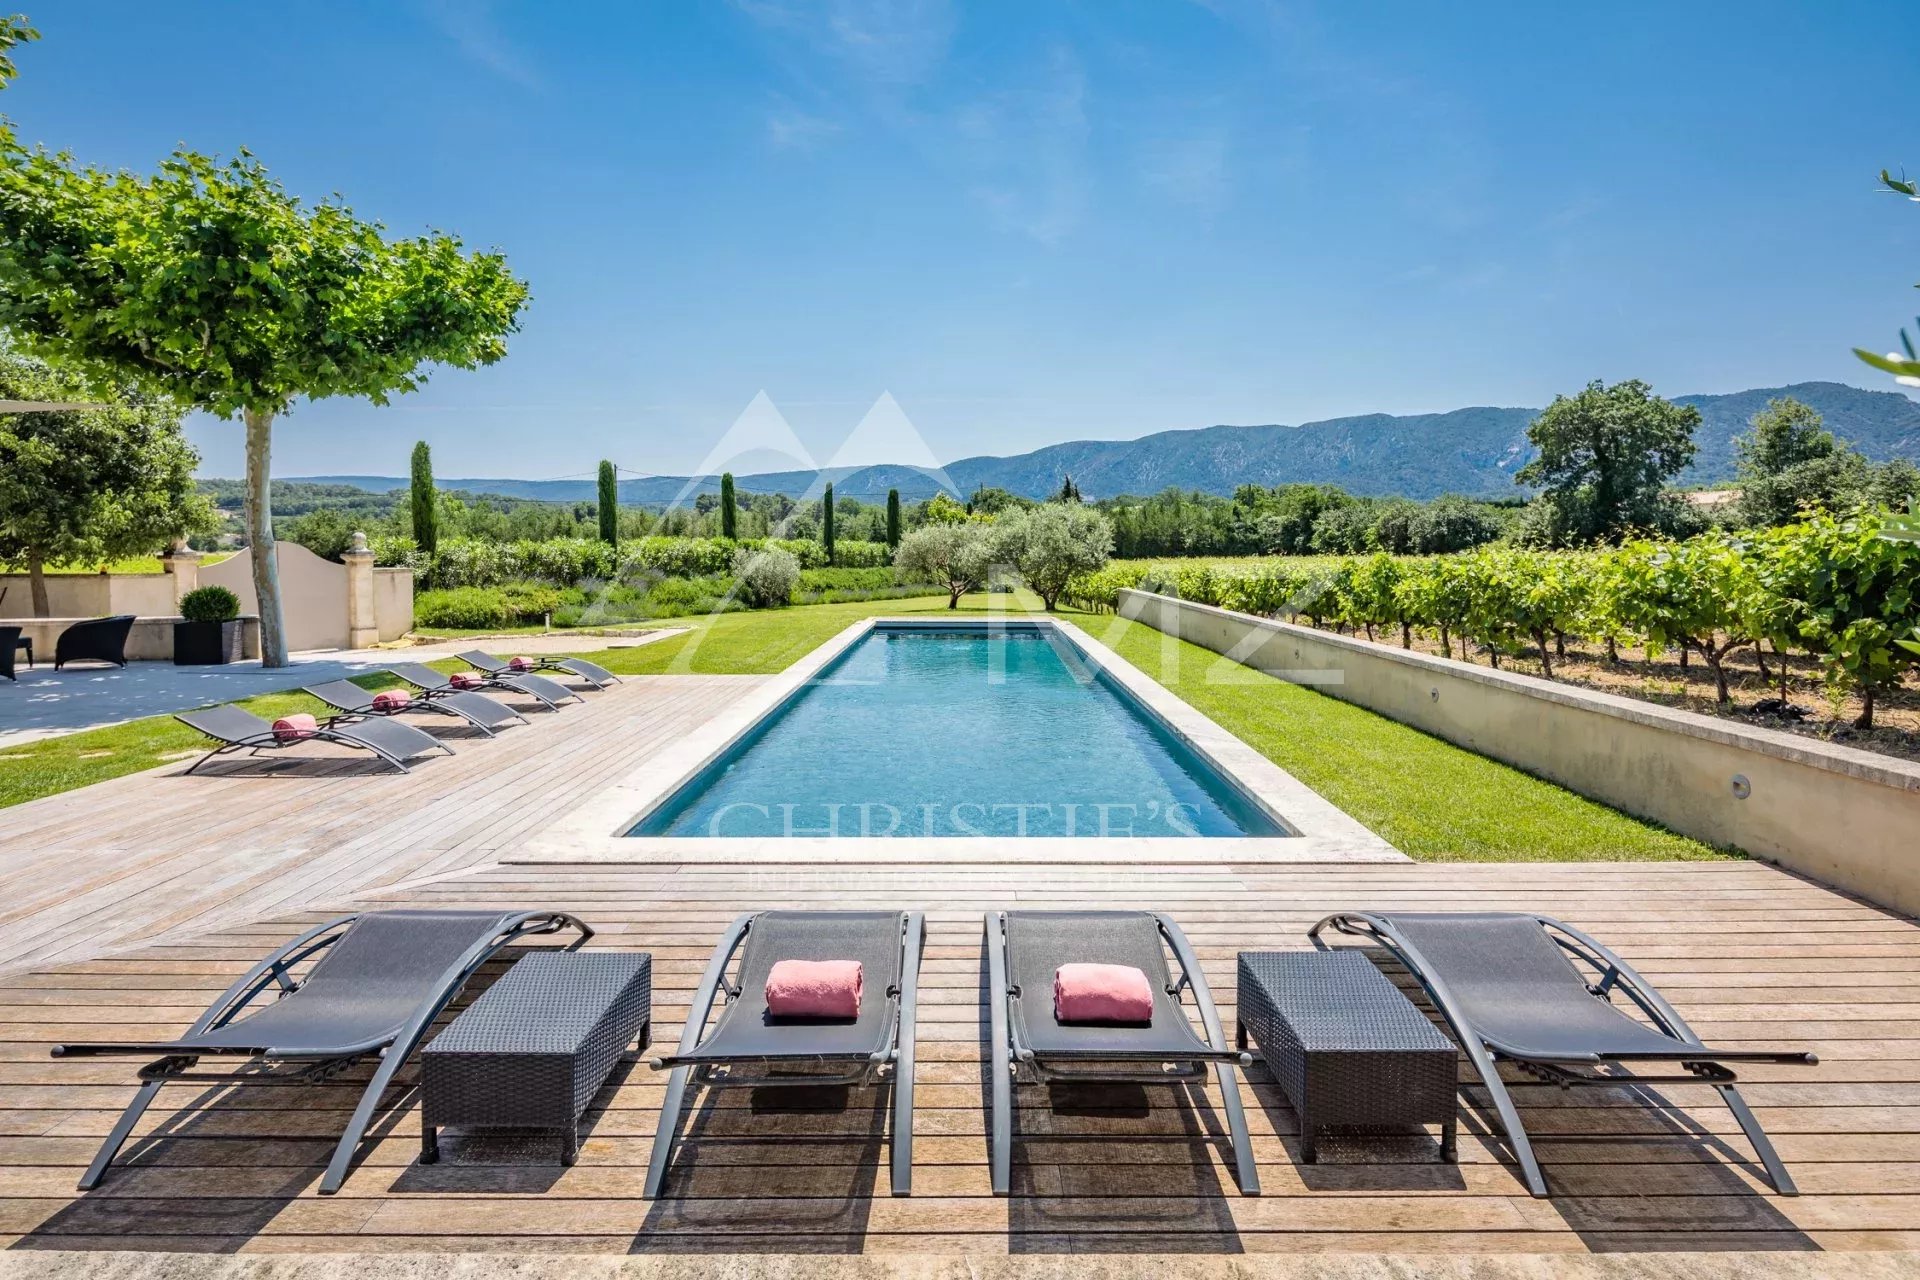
(1530, 990)
(548, 692)
(381, 979)
(592, 672)
(239, 730)
(1028, 1045)
(478, 710)
(750, 1048)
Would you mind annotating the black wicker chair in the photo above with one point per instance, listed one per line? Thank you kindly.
(9, 644)
(1532, 991)
(1026, 948)
(751, 1048)
(95, 640)
(381, 980)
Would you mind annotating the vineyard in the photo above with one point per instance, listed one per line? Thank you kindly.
(1839, 594)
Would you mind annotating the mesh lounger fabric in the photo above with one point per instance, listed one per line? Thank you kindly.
(746, 1031)
(1039, 942)
(482, 710)
(1521, 993)
(361, 992)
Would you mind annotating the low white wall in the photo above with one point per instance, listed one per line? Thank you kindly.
(90, 595)
(1846, 817)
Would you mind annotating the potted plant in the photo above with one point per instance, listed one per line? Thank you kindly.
(209, 628)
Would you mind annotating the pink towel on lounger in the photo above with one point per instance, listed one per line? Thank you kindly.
(295, 727)
(391, 699)
(1101, 993)
(814, 989)
(466, 680)
(521, 664)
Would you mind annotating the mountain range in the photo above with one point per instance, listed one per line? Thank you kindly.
(1473, 451)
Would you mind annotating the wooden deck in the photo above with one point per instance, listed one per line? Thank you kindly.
(1749, 954)
(107, 866)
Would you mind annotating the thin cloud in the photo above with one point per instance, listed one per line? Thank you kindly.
(1192, 169)
(1027, 149)
(887, 42)
(792, 129)
(470, 25)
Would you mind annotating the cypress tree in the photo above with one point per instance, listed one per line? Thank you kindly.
(826, 524)
(729, 513)
(893, 519)
(609, 506)
(426, 510)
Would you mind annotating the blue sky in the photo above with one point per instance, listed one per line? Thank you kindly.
(1032, 222)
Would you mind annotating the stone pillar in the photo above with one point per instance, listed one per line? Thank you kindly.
(362, 631)
(183, 562)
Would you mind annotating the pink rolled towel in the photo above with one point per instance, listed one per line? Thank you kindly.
(466, 680)
(814, 989)
(1101, 993)
(295, 727)
(521, 664)
(391, 699)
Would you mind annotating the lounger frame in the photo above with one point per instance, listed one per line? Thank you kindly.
(867, 1070)
(436, 705)
(269, 741)
(1009, 1057)
(321, 1064)
(593, 673)
(1698, 1062)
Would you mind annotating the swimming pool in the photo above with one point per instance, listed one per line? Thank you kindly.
(1005, 730)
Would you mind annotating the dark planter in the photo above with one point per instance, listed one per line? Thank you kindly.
(197, 644)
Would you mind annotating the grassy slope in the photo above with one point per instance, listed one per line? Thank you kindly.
(1431, 799)
(1435, 801)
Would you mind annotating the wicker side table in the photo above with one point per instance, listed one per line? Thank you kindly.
(1346, 1047)
(536, 1046)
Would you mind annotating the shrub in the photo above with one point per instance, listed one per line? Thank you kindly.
(461, 608)
(1052, 543)
(530, 601)
(210, 604)
(765, 578)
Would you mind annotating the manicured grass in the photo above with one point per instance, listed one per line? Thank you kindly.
(1434, 801)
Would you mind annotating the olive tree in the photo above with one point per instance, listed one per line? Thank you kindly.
(212, 283)
(957, 556)
(1051, 543)
(88, 487)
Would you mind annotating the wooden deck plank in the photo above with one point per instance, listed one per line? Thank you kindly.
(1747, 953)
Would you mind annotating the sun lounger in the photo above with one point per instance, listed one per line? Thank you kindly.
(239, 730)
(477, 709)
(592, 672)
(1530, 990)
(1028, 1044)
(550, 693)
(749, 1047)
(381, 979)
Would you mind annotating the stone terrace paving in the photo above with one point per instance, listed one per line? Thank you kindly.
(133, 903)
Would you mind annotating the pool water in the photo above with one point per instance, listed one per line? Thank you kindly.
(959, 732)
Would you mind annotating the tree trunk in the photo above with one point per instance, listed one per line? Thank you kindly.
(1719, 675)
(259, 515)
(1559, 644)
(953, 598)
(1760, 656)
(1446, 642)
(1369, 631)
(1780, 656)
(1683, 655)
(1866, 708)
(37, 585)
(1048, 601)
(1406, 635)
(1613, 651)
(1493, 657)
(1546, 659)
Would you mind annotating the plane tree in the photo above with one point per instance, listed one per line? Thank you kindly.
(213, 284)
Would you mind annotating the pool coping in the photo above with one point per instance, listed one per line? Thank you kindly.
(593, 831)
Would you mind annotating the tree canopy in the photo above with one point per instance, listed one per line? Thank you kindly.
(1604, 456)
(88, 487)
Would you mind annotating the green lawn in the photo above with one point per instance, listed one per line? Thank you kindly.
(1435, 801)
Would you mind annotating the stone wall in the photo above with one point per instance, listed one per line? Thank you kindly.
(1846, 817)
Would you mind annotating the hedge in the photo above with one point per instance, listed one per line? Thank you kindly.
(567, 562)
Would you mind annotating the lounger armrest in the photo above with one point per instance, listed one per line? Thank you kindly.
(702, 1006)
